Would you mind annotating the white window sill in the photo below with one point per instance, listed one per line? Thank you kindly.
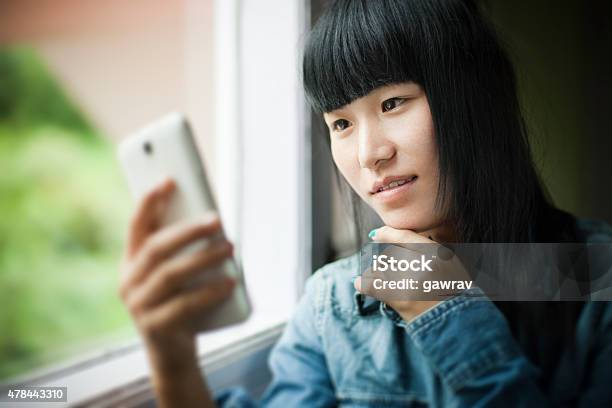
(122, 374)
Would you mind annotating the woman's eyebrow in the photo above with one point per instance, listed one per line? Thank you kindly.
(412, 86)
(403, 89)
(337, 113)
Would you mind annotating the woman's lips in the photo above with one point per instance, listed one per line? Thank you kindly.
(394, 193)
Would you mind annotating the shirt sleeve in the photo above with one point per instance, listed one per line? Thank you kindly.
(300, 376)
(468, 343)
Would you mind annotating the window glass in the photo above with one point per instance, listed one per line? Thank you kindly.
(75, 79)
(64, 208)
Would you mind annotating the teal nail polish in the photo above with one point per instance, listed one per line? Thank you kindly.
(372, 233)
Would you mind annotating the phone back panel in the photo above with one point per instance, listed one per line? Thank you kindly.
(166, 148)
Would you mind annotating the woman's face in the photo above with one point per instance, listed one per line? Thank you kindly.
(384, 145)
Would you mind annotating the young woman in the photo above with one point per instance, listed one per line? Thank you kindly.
(420, 94)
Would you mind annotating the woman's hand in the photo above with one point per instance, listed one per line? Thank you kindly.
(153, 287)
(442, 269)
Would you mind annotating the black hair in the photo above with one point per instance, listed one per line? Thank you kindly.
(488, 182)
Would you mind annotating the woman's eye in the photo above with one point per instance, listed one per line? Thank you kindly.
(392, 103)
(340, 125)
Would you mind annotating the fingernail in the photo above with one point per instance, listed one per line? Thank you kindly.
(164, 187)
(372, 233)
(169, 183)
(209, 218)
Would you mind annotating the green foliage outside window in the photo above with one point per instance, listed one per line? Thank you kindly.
(63, 212)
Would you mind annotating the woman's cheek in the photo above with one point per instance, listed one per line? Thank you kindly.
(347, 165)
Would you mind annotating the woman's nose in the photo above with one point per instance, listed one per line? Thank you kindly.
(374, 149)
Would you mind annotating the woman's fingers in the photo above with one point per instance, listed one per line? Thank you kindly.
(185, 307)
(173, 275)
(166, 242)
(357, 283)
(390, 235)
(147, 215)
(408, 245)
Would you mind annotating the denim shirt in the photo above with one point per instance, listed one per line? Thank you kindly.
(460, 353)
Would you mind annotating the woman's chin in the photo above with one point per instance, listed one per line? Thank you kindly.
(415, 221)
(403, 221)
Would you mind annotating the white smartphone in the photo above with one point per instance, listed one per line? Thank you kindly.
(166, 148)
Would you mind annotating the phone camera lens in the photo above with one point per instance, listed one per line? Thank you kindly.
(148, 148)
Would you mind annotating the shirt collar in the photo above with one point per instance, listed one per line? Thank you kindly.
(365, 305)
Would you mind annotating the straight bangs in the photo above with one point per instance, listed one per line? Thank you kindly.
(355, 48)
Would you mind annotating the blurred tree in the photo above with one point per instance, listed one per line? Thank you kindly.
(63, 210)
